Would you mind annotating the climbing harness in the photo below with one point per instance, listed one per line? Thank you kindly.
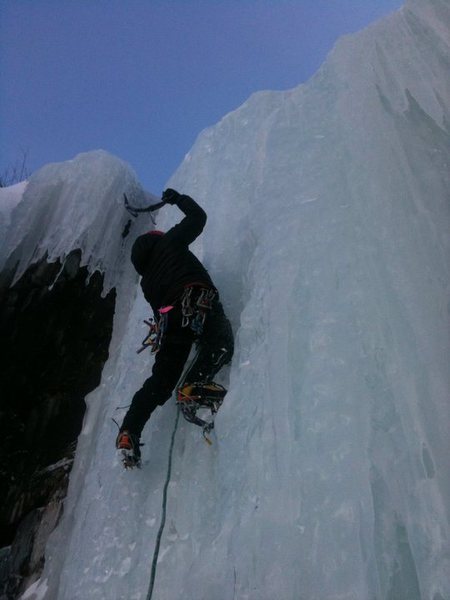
(196, 302)
(194, 397)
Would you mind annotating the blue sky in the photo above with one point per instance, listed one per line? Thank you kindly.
(142, 78)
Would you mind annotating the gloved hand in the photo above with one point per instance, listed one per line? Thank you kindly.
(170, 196)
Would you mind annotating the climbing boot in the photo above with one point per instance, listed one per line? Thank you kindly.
(209, 394)
(129, 446)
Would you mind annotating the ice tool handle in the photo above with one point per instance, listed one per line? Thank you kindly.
(133, 210)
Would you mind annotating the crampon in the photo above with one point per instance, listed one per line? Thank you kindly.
(129, 447)
(192, 398)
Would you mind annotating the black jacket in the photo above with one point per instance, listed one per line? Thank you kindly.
(166, 263)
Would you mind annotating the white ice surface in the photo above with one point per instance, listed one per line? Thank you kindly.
(328, 237)
(9, 199)
(70, 205)
(36, 591)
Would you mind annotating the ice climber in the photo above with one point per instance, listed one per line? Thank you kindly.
(186, 310)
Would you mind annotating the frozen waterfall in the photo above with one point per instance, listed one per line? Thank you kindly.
(328, 236)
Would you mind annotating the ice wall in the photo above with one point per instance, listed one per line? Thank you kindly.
(77, 204)
(328, 236)
(9, 199)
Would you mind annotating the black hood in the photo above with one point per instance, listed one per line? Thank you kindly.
(142, 250)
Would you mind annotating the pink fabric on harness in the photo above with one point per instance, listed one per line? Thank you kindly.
(164, 309)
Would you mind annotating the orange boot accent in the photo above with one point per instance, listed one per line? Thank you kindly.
(123, 441)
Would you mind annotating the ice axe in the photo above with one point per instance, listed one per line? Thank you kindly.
(133, 210)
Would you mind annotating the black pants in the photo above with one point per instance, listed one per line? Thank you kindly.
(214, 349)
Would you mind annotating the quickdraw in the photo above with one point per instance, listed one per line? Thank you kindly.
(151, 340)
(193, 397)
(196, 301)
(157, 329)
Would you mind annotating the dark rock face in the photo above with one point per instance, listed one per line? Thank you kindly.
(55, 331)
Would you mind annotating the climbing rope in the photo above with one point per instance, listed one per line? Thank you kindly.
(166, 487)
(164, 510)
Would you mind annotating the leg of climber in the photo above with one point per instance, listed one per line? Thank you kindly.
(216, 347)
(157, 389)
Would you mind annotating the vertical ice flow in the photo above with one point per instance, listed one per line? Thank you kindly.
(328, 236)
